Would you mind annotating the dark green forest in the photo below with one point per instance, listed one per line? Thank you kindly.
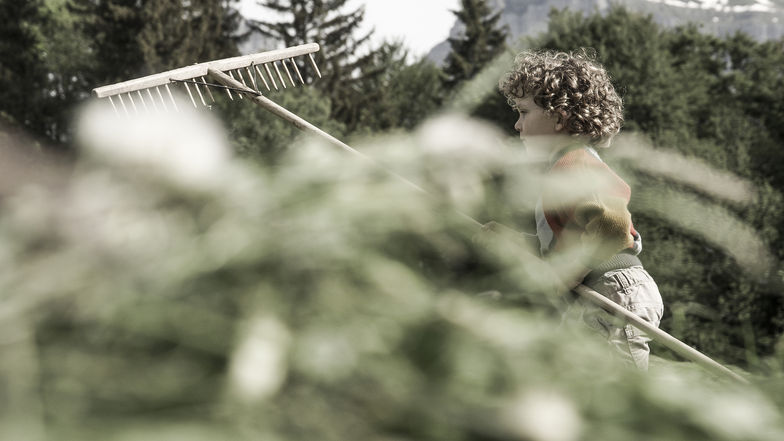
(282, 290)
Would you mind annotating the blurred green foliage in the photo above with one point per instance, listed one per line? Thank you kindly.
(148, 296)
(300, 294)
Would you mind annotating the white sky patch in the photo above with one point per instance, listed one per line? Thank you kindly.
(420, 24)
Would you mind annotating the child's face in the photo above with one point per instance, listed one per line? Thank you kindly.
(537, 129)
(534, 121)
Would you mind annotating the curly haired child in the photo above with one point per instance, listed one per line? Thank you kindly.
(568, 108)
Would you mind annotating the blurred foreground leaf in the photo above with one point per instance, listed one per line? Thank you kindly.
(158, 296)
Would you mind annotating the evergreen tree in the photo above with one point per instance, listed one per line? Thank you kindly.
(754, 79)
(403, 95)
(22, 77)
(324, 22)
(180, 33)
(480, 42)
(131, 38)
(68, 67)
(114, 27)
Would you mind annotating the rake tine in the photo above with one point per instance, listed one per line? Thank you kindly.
(252, 77)
(174, 103)
(269, 74)
(155, 106)
(242, 77)
(133, 102)
(313, 62)
(201, 96)
(283, 62)
(163, 101)
(279, 75)
(125, 108)
(113, 106)
(130, 97)
(296, 69)
(190, 95)
(232, 77)
(230, 96)
(256, 67)
(209, 92)
(146, 109)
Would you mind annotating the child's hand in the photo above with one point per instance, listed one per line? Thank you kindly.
(486, 234)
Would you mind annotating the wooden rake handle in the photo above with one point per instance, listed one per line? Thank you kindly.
(658, 335)
(278, 110)
(297, 121)
(653, 332)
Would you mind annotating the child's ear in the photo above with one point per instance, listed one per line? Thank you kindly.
(561, 123)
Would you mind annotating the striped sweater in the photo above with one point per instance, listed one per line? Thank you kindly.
(584, 204)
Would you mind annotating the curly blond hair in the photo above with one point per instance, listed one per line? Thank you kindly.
(573, 84)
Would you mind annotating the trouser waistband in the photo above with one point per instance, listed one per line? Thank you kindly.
(624, 259)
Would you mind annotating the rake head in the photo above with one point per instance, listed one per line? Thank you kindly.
(254, 71)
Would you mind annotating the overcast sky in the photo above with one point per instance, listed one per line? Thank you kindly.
(421, 24)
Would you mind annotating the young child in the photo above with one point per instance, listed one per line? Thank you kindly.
(567, 109)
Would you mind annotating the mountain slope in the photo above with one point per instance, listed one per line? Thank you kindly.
(762, 19)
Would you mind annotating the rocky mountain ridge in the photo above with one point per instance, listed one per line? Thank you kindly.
(762, 19)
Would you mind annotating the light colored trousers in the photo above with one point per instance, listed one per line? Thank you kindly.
(634, 289)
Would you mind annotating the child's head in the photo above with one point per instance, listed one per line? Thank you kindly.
(570, 85)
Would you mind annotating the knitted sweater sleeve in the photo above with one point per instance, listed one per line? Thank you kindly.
(605, 222)
(587, 208)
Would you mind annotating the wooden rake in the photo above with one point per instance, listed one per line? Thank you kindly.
(231, 75)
